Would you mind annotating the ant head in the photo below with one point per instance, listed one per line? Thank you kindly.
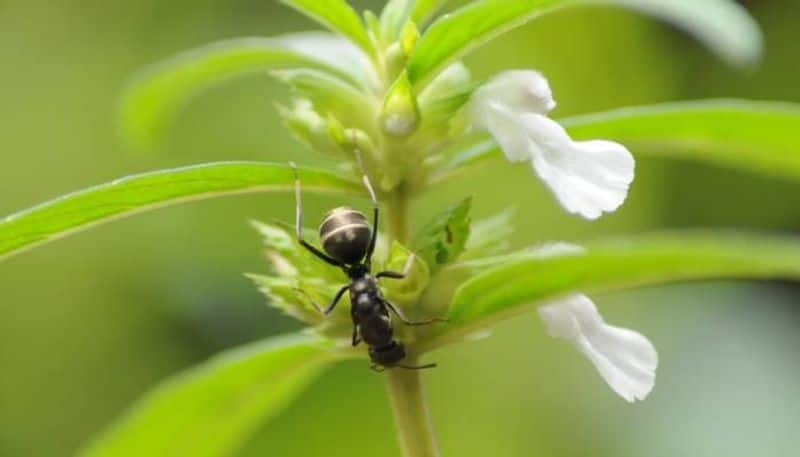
(345, 235)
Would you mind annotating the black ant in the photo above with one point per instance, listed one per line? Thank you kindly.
(348, 243)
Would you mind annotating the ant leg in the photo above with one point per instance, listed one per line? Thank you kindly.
(299, 223)
(375, 209)
(336, 299)
(417, 367)
(396, 275)
(328, 309)
(356, 339)
(377, 368)
(406, 321)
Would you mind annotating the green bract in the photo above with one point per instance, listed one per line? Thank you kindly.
(389, 89)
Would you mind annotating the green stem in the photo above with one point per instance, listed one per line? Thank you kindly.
(398, 215)
(411, 417)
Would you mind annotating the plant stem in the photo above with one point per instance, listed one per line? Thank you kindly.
(411, 417)
(398, 215)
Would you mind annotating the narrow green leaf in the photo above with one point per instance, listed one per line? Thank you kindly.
(331, 96)
(446, 94)
(297, 280)
(490, 236)
(722, 25)
(752, 136)
(338, 17)
(133, 194)
(444, 238)
(424, 10)
(406, 292)
(157, 93)
(212, 408)
(748, 135)
(394, 16)
(528, 280)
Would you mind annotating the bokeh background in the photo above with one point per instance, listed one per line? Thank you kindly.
(89, 323)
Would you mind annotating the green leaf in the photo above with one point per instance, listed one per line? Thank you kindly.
(490, 236)
(425, 9)
(405, 292)
(338, 17)
(722, 25)
(332, 96)
(527, 280)
(309, 128)
(133, 194)
(443, 239)
(393, 18)
(157, 93)
(297, 277)
(746, 135)
(446, 94)
(213, 408)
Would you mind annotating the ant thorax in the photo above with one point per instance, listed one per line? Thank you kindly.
(357, 271)
(364, 284)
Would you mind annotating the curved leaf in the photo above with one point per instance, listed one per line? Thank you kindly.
(157, 93)
(526, 280)
(393, 18)
(212, 408)
(425, 9)
(133, 194)
(747, 135)
(337, 16)
(722, 25)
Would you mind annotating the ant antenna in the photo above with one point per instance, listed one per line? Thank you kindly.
(298, 222)
(364, 177)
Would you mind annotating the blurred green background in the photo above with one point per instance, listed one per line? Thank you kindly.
(89, 323)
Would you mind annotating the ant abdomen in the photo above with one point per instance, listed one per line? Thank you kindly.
(376, 330)
(388, 355)
(345, 235)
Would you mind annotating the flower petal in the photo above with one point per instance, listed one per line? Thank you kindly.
(519, 91)
(625, 359)
(587, 177)
(509, 133)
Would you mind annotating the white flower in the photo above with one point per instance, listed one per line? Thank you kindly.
(625, 359)
(587, 177)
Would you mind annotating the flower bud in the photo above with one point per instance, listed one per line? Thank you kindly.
(308, 126)
(400, 114)
(331, 95)
(409, 37)
(397, 52)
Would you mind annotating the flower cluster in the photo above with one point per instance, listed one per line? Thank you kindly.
(399, 135)
(369, 105)
(588, 178)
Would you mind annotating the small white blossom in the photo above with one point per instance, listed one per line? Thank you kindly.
(625, 359)
(587, 177)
